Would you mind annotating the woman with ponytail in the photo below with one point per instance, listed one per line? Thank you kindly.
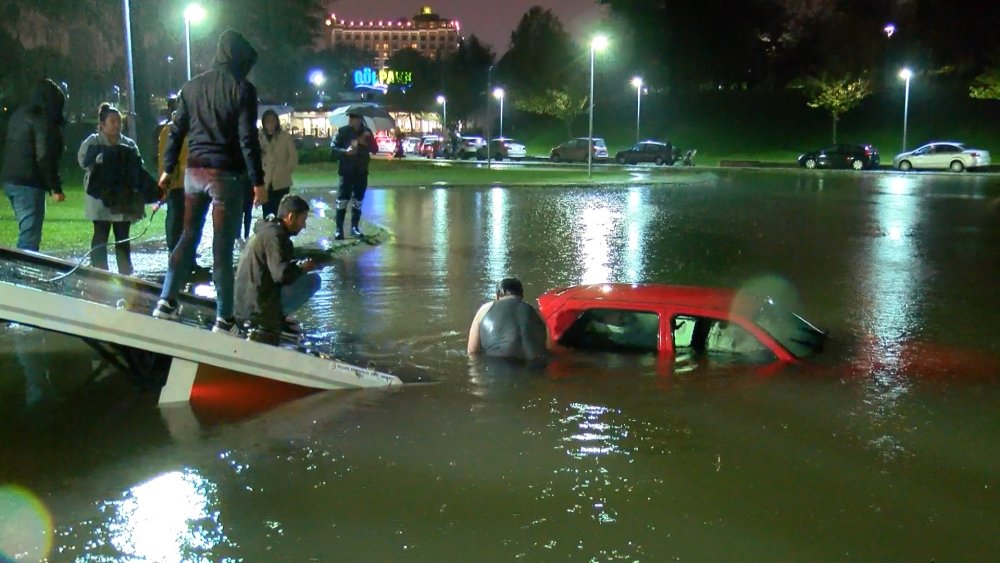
(113, 202)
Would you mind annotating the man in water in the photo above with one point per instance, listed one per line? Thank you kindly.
(508, 327)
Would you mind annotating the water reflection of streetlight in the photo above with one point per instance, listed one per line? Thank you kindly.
(499, 94)
(906, 74)
(598, 43)
(637, 84)
(194, 13)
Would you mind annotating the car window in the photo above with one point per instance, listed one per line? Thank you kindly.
(599, 143)
(614, 330)
(716, 336)
(923, 150)
(948, 149)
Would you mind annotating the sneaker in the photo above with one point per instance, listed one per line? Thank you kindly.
(264, 337)
(167, 309)
(339, 235)
(356, 232)
(226, 326)
(291, 329)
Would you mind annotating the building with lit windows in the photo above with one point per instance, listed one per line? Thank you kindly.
(430, 34)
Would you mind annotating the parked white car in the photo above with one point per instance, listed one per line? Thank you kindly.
(942, 156)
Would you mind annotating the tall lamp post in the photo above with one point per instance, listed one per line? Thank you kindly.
(637, 83)
(906, 74)
(129, 76)
(444, 114)
(598, 43)
(499, 94)
(194, 13)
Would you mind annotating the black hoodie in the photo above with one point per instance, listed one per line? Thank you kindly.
(35, 141)
(217, 113)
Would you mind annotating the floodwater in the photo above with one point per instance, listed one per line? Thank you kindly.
(885, 450)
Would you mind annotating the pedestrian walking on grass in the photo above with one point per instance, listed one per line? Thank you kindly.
(354, 145)
(280, 160)
(217, 113)
(31, 157)
(113, 200)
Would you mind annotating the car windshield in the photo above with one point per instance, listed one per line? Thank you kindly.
(790, 330)
(599, 143)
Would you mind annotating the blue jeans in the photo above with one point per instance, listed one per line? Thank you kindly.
(224, 191)
(29, 208)
(297, 293)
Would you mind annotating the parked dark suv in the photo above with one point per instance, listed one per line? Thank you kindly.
(858, 157)
(648, 151)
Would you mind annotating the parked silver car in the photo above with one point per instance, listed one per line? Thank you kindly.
(942, 156)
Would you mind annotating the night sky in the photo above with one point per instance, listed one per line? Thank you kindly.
(490, 21)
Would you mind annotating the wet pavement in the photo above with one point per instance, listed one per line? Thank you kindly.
(883, 450)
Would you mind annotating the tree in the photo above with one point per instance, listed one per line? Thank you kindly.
(563, 105)
(541, 54)
(986, 86)
(837, 95)
(465, 78)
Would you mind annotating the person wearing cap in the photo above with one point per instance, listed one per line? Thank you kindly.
(353, 146)
(507, 327)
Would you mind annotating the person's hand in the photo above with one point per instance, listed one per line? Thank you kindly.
(259, 195)
(163, 182)
(307, 265)
(59, 197)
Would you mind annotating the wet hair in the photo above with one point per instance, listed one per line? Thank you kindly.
(292, 204)
(105, 110)
(510, 286)
(273, 113)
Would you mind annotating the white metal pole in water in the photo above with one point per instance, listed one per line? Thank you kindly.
(590, 129)
(638, 110)
(906, 111)
(130, 81)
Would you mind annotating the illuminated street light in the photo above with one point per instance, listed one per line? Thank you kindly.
(637, 84)
(889, 29)
(194, 13)
(317, 78)
(499, 94)
(444, 116)
(906, 74)
(598, 43)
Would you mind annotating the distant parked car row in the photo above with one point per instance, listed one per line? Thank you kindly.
(956, 157)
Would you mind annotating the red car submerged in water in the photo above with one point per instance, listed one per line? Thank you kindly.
(672, 320)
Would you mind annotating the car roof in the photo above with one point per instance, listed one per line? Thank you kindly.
(654, 294)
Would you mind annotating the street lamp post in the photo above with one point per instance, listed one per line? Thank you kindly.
(489, 117)
(637, 82)
(444, 114)
(129, 76)
(499, 94)
(599, 43)
(194, 13)
(906, 74)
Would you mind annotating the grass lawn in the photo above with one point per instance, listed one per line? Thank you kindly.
(65, 226)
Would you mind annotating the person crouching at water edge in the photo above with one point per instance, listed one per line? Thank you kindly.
(270, 285)
(114, 201)
(354, 145)
(508, 327)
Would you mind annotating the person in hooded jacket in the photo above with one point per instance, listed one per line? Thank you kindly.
(111, 203)
(280, 160)
(270, 284)
(217, 114)
(354, 146)
(31, 157)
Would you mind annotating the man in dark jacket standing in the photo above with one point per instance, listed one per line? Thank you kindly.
(31, 160)
(217, 114)
(270, 284)
(354, 145)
